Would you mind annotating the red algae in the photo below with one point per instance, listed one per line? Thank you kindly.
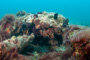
(81, 45)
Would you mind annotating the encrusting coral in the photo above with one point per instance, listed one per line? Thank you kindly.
(28, 34)
(9, 48)
(19, 42)
(20, 13)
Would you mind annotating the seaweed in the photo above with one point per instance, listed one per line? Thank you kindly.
(13, 55)
(67, 31)
(58, 55)
(3, 35)
(7, 21)
(81, 45)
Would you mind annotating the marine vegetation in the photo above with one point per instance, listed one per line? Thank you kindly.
(42, 36)
(81, 45)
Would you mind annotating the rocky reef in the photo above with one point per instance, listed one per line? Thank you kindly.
(42, 36)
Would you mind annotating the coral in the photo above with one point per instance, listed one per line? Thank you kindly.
(36, 15)
(25, 34)
(19, 42)
(10, 48)
(46, 30)
(19, 28)
(20, 13)
(65, 22)
(81, 45)
(40, 13)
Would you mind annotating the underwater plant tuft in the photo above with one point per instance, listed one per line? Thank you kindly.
(3, 35)
(7, 21)
(65, 55)
(81, 44)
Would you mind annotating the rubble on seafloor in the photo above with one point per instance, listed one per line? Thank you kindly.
(42, 36)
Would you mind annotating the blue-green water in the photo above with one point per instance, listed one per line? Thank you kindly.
(78, 11)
